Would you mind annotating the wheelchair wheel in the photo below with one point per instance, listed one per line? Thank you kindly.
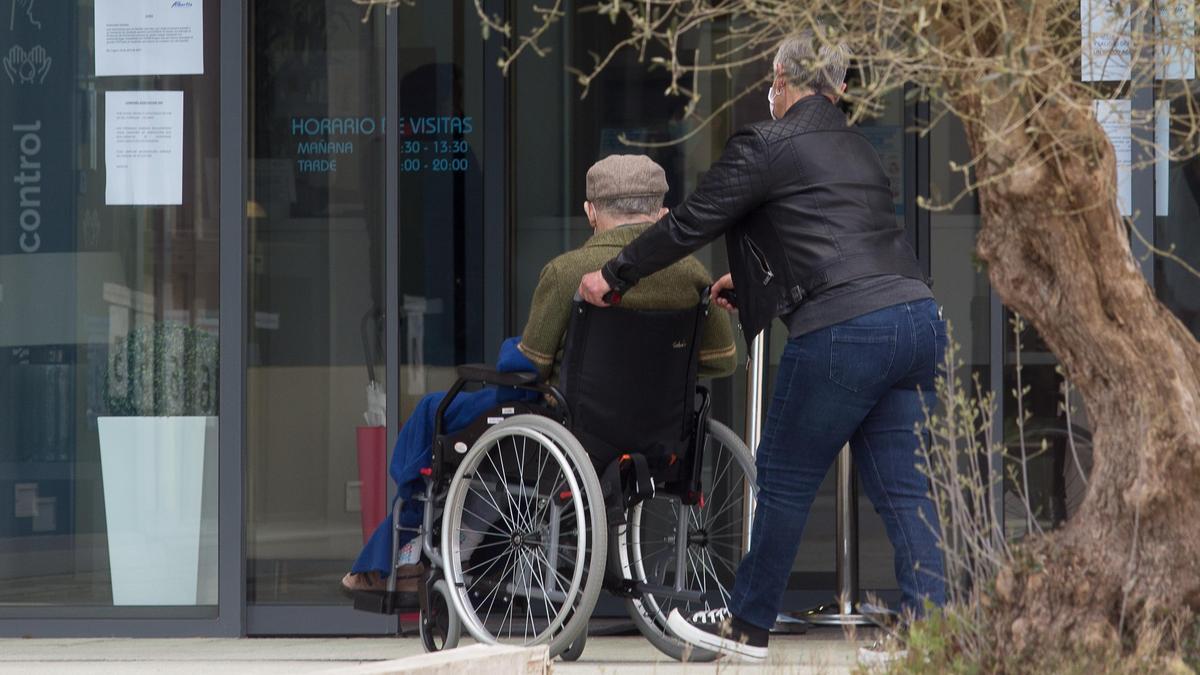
(524, 537)
(438, 625)
(576, 649)
(715, 531)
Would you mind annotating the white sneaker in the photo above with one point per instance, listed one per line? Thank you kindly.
(882, 652)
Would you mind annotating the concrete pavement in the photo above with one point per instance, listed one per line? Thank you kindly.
(821, 652)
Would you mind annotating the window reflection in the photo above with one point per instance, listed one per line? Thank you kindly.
(108, 335)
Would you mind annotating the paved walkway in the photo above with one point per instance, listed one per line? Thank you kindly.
(821, 652)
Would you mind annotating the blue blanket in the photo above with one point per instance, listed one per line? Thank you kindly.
(414, 447)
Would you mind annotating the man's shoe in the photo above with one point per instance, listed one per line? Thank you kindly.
(363, 582)
(407, 579)
(719, 631)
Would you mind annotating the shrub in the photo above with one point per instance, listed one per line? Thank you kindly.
(163, 369)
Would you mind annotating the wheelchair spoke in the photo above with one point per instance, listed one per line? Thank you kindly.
(666, 519)
(730, 535)
(563, 608)
(559, 486)
(729, 524)
(467, 529)
(514, 497)
(533, 495)
(666, 548)
(728, 566)
(482, 519)
(538, 494)
(512, 507)
(541, 580)
(531, 578)
(492, 498)
(482, 576)
(489, 498)
(647, 553)
(559, 576)
(494, 594)
(720, 474)
(695, 570)
(521, 499)
(725, 509)
(706, 558)
(545, 456)
(526, 576)
(493, 560)
(508, 613)
(553, 608)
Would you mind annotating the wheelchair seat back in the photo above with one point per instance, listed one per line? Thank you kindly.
(629, 379)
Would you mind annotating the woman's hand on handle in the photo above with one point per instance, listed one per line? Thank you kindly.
(722, 293)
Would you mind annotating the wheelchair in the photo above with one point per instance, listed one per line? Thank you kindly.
(617, 481)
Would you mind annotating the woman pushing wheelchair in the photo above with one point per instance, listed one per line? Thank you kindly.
(806, 209)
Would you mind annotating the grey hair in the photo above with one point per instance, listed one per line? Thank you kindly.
(821, 69)
(630, 206)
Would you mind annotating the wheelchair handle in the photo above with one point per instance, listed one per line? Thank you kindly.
(611, 298)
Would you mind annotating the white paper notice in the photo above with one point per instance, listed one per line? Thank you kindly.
(1114, 116)
(1174, 58)
(149, 37)
(25, 497)
(1162, 157)
(143, 147)
(1106, 52)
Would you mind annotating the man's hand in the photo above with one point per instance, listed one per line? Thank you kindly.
(725, 283)
(592, 288)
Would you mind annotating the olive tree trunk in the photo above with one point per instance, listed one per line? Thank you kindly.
(1058, 252)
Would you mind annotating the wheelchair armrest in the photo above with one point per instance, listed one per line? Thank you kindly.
(483, 374)
(478, 372)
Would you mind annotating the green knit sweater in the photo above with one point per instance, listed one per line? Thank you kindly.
(675, 287)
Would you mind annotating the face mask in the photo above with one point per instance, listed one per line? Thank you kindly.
(771, 101)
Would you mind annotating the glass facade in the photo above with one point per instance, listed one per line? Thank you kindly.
(108, 330)
(364, 205)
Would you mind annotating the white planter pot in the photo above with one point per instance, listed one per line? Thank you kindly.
(160, 501)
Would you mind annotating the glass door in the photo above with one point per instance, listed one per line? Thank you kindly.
(366, 207)
(315, 221)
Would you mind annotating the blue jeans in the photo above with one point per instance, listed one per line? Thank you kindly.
(864, 381)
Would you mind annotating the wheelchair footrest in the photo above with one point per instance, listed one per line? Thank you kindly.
(382, 602)
(683, 595)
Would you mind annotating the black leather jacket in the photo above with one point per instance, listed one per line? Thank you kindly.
(805, 205)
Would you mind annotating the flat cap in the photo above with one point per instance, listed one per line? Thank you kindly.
(619, 176)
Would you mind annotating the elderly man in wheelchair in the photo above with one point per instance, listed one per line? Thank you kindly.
(607, 474)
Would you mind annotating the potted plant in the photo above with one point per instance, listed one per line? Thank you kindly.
(158, 456)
